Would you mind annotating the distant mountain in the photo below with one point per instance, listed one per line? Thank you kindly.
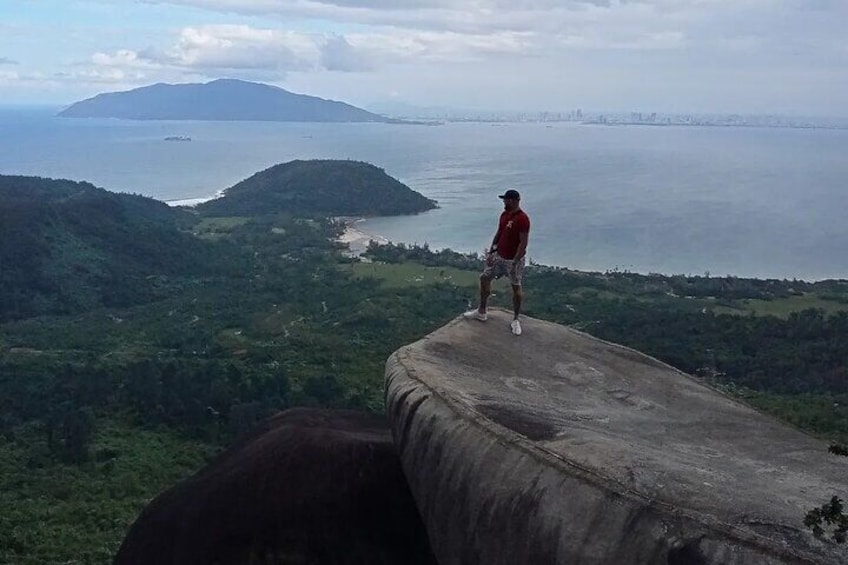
(319, 187)
(224, 99)
(69, 246)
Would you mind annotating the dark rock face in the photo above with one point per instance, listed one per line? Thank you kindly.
(311, 486)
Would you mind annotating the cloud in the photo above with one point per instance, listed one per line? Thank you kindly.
(269, 54)
(337, 54)
(207, 51)
(803, 23)
(363, 35)
(399, 46)
(479, 16)
(7, 61)
(123, 58)
(223, 47)
(16, 78)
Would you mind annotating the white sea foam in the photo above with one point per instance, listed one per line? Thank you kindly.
(194, 201)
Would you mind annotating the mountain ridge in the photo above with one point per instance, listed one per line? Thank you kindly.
(218, 100)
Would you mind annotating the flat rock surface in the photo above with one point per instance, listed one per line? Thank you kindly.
(623, 424)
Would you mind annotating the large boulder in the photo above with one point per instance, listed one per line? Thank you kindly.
(310, 486)
(558, 448)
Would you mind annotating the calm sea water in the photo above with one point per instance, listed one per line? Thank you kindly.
(741, 201)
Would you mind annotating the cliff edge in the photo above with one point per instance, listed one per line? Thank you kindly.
(557, 447)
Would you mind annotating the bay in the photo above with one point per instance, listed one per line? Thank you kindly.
(761, 202)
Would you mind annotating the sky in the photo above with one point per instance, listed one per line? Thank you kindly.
(674, 56)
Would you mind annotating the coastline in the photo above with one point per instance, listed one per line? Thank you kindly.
(194, 201)
(356, 240)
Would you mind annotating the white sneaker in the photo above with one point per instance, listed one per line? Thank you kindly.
(516, 327)
(476, 315)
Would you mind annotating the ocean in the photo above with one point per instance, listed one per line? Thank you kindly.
(753, 202)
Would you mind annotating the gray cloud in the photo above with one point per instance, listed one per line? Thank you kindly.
(337, 54)
(216, 49)
(7, 61)
(799, 19)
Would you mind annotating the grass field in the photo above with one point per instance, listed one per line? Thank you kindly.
(413, 274)
(212, 227)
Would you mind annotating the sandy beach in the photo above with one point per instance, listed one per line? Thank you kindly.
(356, 239)
(194, 201)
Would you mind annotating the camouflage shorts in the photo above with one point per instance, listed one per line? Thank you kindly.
(501, 267)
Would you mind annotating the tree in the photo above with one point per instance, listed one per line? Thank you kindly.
(69, 434)
(830, 514)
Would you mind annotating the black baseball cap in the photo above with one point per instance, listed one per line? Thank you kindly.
(511, 193)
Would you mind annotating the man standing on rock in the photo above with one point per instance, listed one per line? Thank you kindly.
(505, 257)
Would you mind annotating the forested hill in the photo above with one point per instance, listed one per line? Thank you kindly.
(223, 99)
(69, 246)
(319, 187)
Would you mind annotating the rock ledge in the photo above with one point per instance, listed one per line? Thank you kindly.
(557, 447)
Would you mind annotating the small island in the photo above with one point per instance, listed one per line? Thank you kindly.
(178, 138)
(321, 188)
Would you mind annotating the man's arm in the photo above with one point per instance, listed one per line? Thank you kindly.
(523, 238)
(495, 239)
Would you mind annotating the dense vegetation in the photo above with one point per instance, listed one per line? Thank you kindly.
(105, 403)
(68, 247)
(319, 187)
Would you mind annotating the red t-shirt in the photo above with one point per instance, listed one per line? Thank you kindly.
(510, 225)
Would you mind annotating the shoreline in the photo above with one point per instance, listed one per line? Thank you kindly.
(356, 240)
(189, 202)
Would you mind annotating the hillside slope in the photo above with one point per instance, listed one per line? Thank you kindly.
(69, 246)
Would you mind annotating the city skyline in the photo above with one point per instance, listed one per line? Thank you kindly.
(750, 57)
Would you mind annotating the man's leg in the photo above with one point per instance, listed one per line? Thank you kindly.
(485, 291)
(517, 296)
(515, 278)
